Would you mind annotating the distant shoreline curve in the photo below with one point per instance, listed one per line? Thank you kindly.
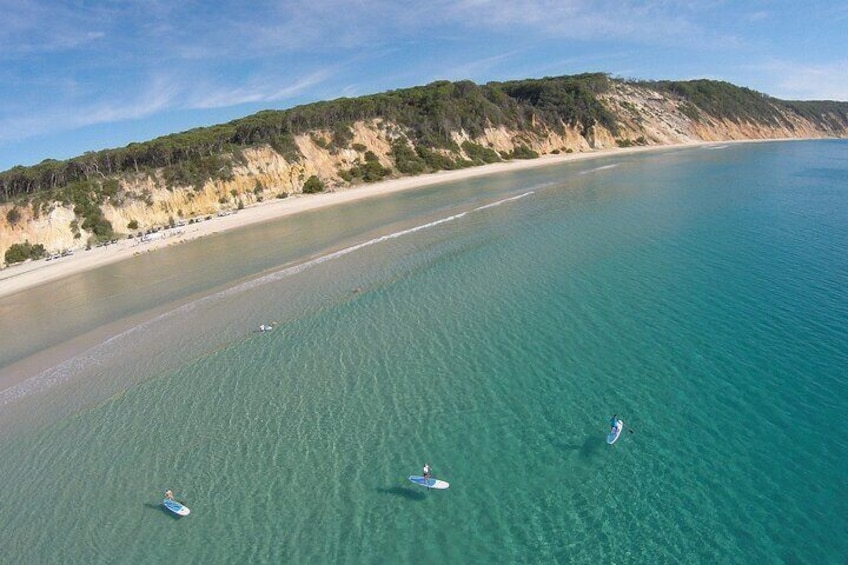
(21, 277)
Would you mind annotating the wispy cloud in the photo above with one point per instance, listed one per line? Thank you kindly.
(29, 27)
(758, 16)
(301, 85)
(799, 81)
(479, 67)
(643, 22)
(158, 97)
(264, 89)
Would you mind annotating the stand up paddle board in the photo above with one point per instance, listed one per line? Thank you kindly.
(176, 507)
(429, 483)
(612, 437)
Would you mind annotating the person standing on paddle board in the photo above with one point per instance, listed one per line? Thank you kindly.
(426, 471)
(613, 423)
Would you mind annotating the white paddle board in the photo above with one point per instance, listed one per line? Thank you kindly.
(612, 437)
(176, 507)
(429, 483)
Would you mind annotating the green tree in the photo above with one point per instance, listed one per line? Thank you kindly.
(313, 185)
(428, 116)
(18, 252)
(479, 154)
(406, 160)
(13, 216)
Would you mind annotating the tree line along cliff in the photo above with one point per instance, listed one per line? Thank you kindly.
(343, 142)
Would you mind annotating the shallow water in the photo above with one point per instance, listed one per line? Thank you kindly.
(490, 328)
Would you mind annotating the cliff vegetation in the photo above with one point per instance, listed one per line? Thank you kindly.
(99, 196)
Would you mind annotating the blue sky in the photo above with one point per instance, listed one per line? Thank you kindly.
(83, 75)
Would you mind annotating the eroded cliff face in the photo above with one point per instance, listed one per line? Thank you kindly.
(265, 175)
(658, 118)
(144, 202)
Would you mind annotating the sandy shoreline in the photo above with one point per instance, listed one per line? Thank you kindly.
(32, 273)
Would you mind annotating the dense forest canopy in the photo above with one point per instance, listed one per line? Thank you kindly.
(427, 116)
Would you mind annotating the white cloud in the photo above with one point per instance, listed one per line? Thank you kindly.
(266, 89)
(759, 16)
(474, 69)
(642, 22)
(828, 82)
(31, 27)
(792, 80)
(158, 97)
(301, 85)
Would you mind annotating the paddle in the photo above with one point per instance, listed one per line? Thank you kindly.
(629, 429)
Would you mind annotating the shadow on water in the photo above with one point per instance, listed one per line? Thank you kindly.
(591, 446)
(404, 492)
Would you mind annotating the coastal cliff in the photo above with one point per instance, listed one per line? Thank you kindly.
(57, 206)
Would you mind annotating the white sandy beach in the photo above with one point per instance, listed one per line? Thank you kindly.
(20, 277)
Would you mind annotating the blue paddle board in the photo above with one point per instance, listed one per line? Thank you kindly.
(612, 437)
(176, 507)
(429, 483)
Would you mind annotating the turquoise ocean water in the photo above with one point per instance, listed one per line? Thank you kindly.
(489, 327)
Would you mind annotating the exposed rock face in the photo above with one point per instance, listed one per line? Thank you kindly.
(644, 117)
(643, 112)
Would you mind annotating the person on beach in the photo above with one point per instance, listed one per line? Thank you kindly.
(426, 471)
(169, 495)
